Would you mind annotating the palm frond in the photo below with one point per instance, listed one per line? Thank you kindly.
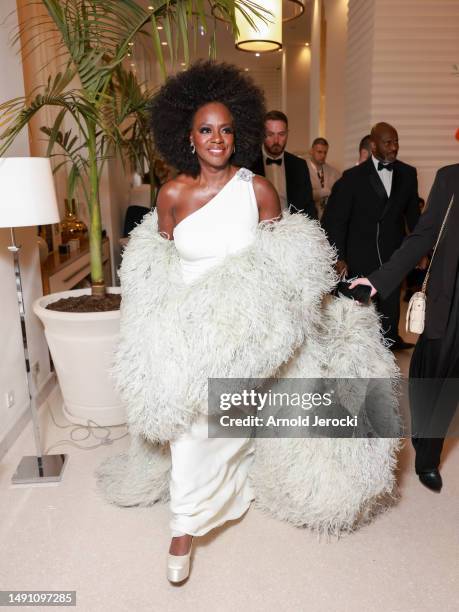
(110, 108)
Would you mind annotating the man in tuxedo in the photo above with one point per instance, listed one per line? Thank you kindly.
(288, 173)
(366, 215)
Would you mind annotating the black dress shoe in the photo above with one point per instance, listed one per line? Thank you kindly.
(431, 479)
(401, 345)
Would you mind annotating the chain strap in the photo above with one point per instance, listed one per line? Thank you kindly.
(424, 284)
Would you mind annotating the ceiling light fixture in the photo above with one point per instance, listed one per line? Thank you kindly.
(267, 36)
(292, 10)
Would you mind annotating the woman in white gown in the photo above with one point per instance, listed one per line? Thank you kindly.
(211, 211)
(209, 292)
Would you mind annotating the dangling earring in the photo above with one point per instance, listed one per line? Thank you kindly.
(193, 149)
(234, 149)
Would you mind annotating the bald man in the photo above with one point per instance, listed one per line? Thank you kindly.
(366, 215)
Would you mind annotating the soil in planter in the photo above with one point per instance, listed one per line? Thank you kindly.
(87, 303)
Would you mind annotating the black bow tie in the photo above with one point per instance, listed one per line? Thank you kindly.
(270, 160)
(382, 166)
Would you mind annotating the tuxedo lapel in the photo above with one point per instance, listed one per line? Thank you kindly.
(289, 178)
(376, 182)
(293, 182)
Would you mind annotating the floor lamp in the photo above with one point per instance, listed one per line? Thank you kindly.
(28, 198)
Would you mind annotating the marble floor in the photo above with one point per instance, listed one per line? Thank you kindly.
(65, 537)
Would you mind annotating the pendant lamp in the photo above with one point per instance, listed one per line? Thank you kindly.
(292, 10)
(266, 36)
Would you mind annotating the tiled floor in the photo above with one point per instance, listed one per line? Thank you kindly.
(66, 537)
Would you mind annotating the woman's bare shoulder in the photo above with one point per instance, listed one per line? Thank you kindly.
(171, 191)
(264, 190)
(262, 186)
(267, 199)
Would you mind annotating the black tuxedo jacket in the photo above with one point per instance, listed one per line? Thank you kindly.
(298, 183)
(443, 273)
(365, 225)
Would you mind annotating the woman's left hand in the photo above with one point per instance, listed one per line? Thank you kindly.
(363, 281)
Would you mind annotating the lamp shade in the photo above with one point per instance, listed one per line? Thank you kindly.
(267, 36)
(27, 194)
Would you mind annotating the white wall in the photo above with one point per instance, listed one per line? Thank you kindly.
(358, 85)
(416, 45)
(400, 70)
(12, 368)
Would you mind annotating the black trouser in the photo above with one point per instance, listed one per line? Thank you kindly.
(428, 453)
(433, 403)
(390, 309)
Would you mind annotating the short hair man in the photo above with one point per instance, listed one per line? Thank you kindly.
(364, 149)
(287, 172)
(323, 176)
(366, 215)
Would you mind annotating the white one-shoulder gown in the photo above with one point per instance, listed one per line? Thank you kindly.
(209, 478)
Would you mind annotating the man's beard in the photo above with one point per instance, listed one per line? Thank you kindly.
(275, 149)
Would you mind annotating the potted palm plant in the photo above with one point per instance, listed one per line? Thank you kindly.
(137, 141)
(96, 37)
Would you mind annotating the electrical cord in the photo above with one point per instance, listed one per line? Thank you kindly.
(91, 429)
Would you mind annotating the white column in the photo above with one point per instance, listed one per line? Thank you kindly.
(327, 75)
(314, 95)
(297, 69)
(336, 40)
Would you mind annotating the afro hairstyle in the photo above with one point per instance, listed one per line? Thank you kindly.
(173, 108)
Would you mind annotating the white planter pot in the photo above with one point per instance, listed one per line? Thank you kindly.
(81, 345)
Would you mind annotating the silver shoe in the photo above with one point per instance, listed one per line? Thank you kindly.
(178, 566)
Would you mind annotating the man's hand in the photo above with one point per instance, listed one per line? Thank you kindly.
(363, 281)
(341, 267)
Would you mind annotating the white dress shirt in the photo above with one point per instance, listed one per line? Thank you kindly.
(276, 175)
(384, 175)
